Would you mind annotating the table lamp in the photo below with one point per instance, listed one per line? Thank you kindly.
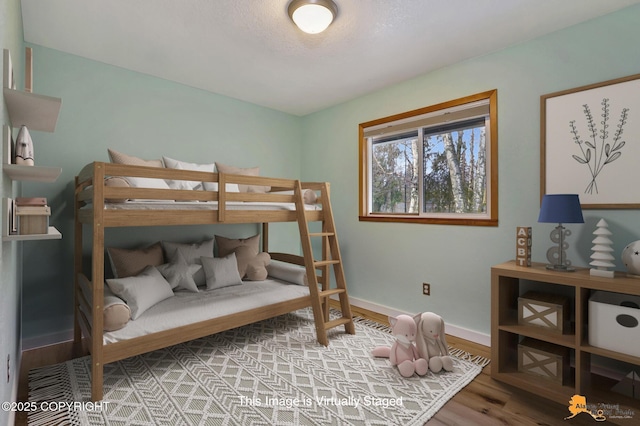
(560, 208)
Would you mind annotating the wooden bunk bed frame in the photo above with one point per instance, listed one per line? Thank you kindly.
(91, 194)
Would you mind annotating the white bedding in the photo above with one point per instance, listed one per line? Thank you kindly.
(187, 308)
(206, 205)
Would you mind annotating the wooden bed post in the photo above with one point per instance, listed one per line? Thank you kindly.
(77, 269)
(97, 282)
(265, 237)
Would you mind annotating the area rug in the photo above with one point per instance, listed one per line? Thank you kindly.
(268, 373)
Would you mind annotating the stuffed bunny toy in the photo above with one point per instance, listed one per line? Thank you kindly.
(431, 342)
(403, 353)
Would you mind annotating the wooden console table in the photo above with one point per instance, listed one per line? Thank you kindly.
(508, 281)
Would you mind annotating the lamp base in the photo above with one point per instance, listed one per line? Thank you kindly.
(561, 268)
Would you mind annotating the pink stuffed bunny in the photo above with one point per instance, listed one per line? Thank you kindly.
(403, 353)
(431, 342)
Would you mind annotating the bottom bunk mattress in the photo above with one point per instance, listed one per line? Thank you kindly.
(186, 308)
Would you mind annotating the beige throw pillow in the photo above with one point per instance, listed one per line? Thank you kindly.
(128, 263)
(120, 158)
(253, 171)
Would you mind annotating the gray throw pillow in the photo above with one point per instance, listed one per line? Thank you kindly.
(221, 271)
(192, 254)
(142, 291)
(179, 273)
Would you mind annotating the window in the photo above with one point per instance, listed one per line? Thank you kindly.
(433, 165)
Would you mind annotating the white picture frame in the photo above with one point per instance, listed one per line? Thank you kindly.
(590, 143)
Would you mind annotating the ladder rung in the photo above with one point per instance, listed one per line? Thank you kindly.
(322, 234)
(337, 322)
(330, 292)
(325, 262)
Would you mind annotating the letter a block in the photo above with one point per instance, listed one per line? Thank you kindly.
(523, 246)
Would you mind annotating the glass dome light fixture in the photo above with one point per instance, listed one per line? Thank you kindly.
(312, 16)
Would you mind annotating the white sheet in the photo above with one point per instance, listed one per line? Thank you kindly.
(206, 205)
(187, 308)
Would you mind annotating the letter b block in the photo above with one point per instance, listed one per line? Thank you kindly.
(523, 246)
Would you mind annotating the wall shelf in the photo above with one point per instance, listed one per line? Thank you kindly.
(32, 173)
(37, 112)
(53, 234)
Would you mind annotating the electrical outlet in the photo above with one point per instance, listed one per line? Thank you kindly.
(426, 289)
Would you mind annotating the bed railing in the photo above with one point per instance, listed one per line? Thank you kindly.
(94, 189)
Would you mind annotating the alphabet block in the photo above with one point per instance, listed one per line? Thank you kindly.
(523, 245)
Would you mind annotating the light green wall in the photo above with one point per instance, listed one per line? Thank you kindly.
(387, 263)
(104, 106)
(109, 107)
(10, 38)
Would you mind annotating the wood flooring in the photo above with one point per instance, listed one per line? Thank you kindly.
(484, 402)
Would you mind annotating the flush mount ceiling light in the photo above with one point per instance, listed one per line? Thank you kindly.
(312, 16)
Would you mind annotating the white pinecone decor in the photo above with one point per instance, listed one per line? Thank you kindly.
(601, 258)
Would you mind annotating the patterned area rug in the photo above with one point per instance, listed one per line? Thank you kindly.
(269, 373)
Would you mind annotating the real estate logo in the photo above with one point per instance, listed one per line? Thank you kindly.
(600, 412)
(578, 404)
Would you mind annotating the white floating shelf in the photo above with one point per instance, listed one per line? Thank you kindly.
(37, 112)
(32, 173)
(53, 234)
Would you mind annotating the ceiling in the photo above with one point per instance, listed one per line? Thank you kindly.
(250, 50)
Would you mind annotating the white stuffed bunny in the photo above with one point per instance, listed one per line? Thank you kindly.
(431, 342)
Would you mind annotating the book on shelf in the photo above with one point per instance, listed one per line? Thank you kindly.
(31, 201)
(11, 223)
(33, 210)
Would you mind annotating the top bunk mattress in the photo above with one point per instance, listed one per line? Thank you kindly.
(205, 205)
(186, 308)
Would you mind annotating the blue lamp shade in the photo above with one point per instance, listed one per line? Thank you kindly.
(560, 208)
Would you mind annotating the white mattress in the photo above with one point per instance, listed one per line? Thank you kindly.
(205, 205)
(187, 308)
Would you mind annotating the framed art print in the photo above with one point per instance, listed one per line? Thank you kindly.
(590, 143)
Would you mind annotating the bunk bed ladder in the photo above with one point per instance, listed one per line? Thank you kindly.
(330, 259)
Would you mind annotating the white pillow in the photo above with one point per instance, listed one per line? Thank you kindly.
(221, 271)
(213, 186)
(287, 272)
(140, 182)
(183, 165)
(142, 291)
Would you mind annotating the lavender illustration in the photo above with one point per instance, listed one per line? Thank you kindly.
(597, 151)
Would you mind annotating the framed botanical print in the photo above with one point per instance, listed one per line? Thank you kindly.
(590, 143)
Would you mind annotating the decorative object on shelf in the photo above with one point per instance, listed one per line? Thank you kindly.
(543, 359)
(546, 310)
(629, 385)
(614, 322)
(28, 69)
(631, 259)
(584, 149)
(7, 72)
(24, 147)
(560, 208)
(312, 16)
(523, 246)
(602, 257)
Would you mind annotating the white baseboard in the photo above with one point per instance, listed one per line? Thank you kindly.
(461, 332)
(47, 340)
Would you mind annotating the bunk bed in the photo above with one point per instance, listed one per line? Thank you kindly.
(99, 206)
